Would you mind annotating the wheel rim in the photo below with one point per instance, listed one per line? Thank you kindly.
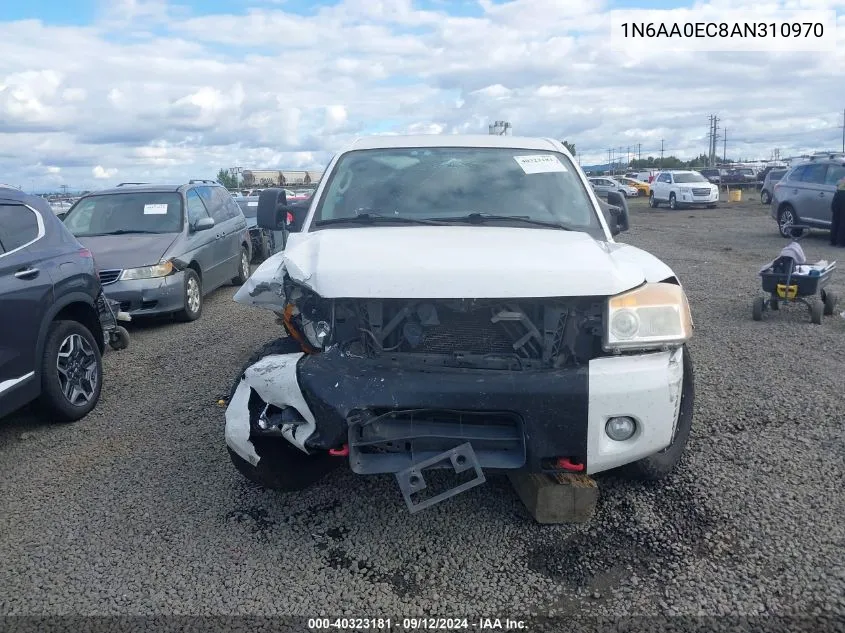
(76, 363)
(786, 221)
(193, 293)
(672, 202)
(244, 264)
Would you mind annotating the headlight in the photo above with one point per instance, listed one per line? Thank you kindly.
(651, 316)
(147, 272)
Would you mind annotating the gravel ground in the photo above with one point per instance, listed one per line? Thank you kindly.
(137, 510)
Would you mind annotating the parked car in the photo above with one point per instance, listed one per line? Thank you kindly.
(712, 174)
(643, 188)
(605, 184)
(51, 336)
(412, 341)
(163, 248)
(772, 177)
(264, 243)
(682, 188)
(805, 193)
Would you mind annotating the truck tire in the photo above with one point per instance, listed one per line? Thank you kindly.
(661, 464)
(282, 466)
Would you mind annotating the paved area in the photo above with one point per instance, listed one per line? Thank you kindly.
(136, 509)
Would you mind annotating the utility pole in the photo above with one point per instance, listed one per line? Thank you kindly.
(725, 147)
(661, 153)
(639, 151)
(710, 142)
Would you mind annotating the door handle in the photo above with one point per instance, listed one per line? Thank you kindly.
(27, 273)
(821, 194)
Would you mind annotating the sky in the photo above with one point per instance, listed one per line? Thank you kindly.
(94, 92)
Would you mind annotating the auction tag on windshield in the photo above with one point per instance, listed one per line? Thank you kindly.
(252, 203)
(155, 209)
(540, 164)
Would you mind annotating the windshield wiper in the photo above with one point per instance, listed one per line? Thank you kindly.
(124, 232)
(481, 218)
(375, 218)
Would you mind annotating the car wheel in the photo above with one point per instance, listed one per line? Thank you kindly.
(281, 466)
(786, 220)
(765, 198)
(673, 203)
(652, 201)
(71, 372)
(266, 248)
(661, 464)
(243, 268)
(119, 339)
(193, 297)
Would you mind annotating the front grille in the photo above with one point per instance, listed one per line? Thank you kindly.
(470, 332)
(109, 276)
(701, 192)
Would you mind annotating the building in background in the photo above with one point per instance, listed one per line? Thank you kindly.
(279, 178)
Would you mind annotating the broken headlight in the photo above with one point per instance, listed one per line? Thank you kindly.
(649, 317)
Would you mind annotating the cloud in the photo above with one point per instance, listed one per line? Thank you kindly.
(160, 91)
(101, 173)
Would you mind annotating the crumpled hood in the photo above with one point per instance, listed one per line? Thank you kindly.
(421, 262)
(127, 251)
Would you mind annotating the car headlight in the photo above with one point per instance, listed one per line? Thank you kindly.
(162, 269)
(649, 317)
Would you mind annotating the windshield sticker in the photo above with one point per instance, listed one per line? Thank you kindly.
(252, 203)
(155, 209)
(540, 164)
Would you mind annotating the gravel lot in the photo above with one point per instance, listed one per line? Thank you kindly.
(137, 510)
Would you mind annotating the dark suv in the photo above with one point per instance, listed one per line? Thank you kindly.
(162, 248)
(51, 337)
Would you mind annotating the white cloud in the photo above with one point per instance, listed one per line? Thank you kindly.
(156, 93)
(99, 172)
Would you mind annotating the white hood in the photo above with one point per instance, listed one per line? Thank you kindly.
(422, 262)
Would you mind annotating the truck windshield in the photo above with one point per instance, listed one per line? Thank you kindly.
(123, 213)
(451, 182)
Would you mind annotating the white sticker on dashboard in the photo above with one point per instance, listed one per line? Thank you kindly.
(155, 209)
(252, 203)
(540, 164)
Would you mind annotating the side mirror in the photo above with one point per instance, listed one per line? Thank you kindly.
(618, 217)
(203, 224)
(272, 209)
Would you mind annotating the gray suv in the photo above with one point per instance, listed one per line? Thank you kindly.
(161, 249)
(805, 193)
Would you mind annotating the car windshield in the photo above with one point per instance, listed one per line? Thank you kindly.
(119, 213)
(680, 178)
(448, 182)
(249, 207)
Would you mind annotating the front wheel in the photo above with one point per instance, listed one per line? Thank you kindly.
(661, 464)
(765, 198)
(757, 308)
(830, 300)
(71, 372)
(243, 268)
(816, 312)
(193, 297)
(652, 201)
(673, 202)
(786, 220)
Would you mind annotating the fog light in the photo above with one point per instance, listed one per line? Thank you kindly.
(620, 429)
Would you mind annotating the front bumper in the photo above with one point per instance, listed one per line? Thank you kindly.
(690, 198)
(147, 297)
(514, 420)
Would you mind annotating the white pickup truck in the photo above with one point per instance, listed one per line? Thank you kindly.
(460, 302)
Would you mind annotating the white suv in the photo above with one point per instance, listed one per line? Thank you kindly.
(681, 189)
